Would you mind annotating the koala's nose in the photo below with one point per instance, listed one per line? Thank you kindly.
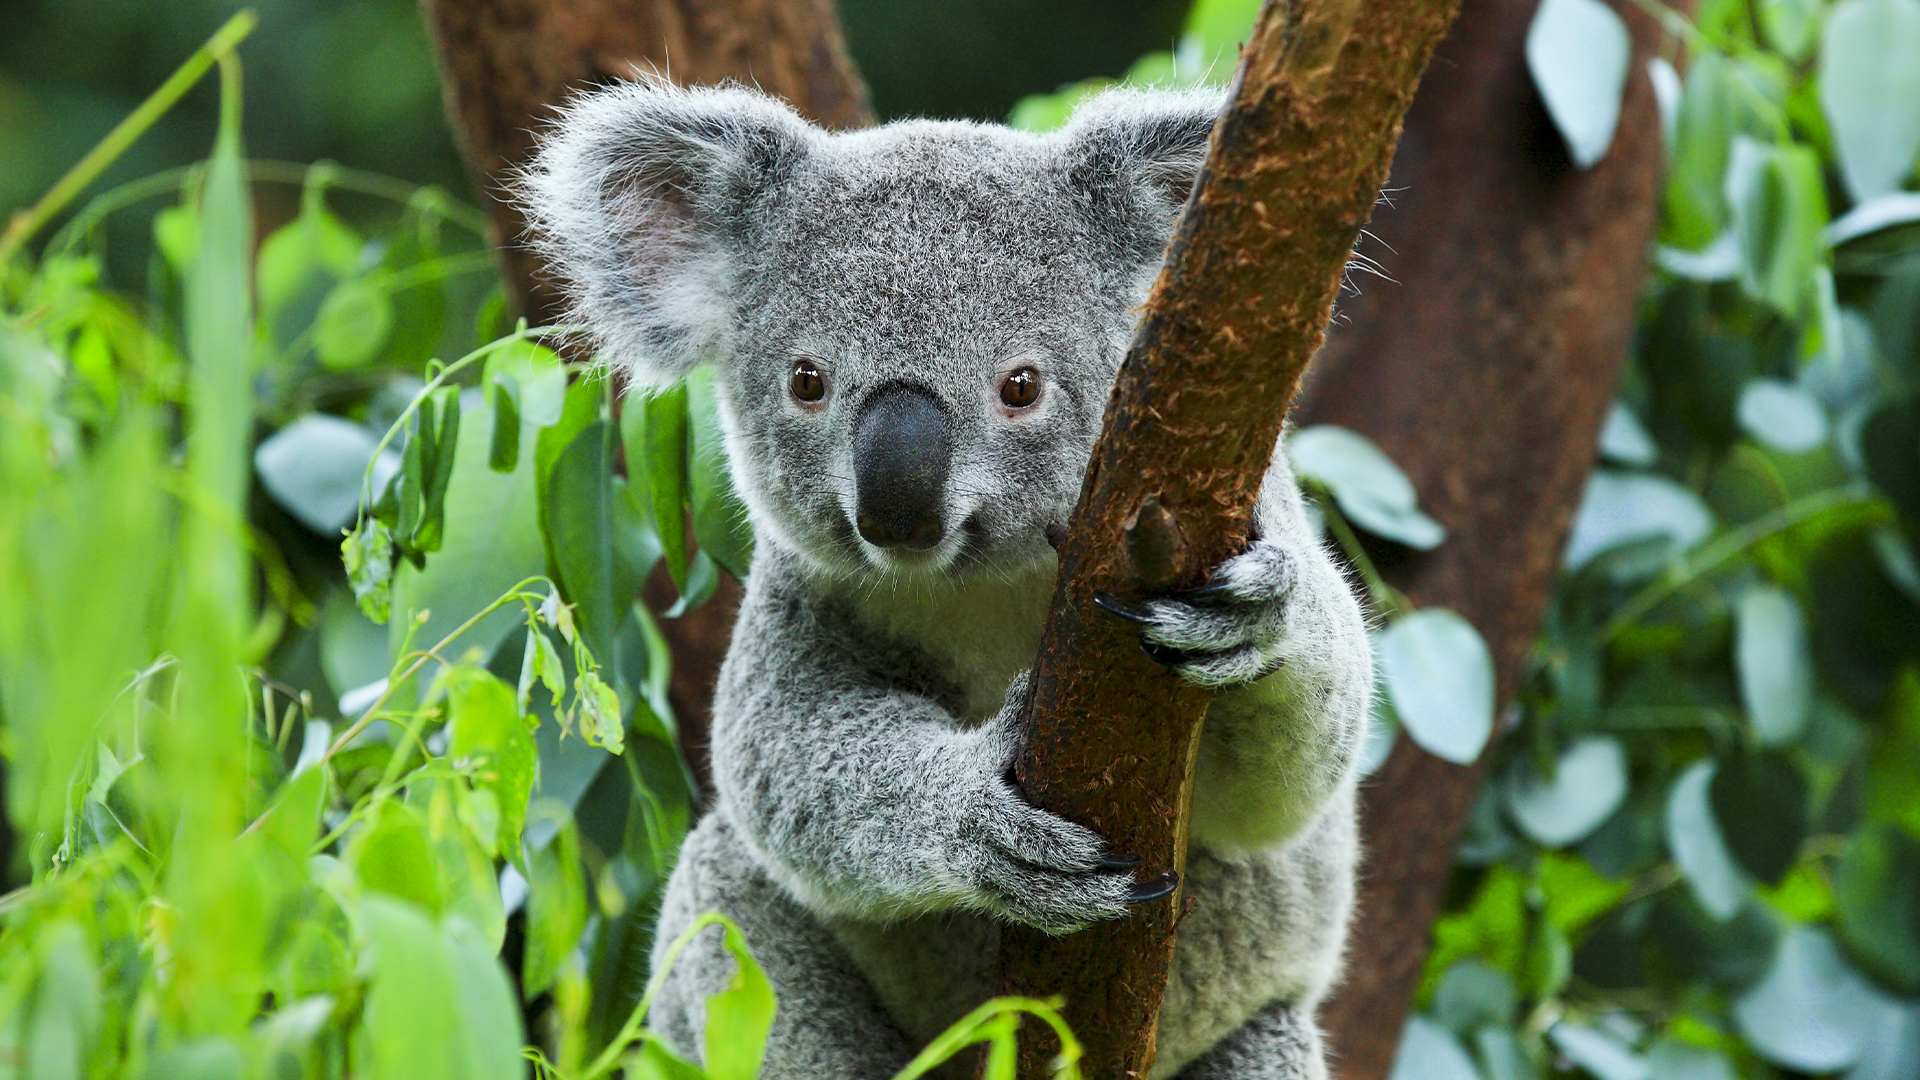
(901, 450)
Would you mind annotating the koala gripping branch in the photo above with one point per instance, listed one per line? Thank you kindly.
(1296, 165)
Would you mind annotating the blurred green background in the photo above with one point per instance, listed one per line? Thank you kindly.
(353, 80)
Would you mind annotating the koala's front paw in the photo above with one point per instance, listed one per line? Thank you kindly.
(1227, 632)
(1038, 868)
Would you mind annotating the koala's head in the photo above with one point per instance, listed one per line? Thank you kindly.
(915, 327)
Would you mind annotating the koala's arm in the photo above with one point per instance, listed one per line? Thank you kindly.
(1282, 637)
(1273, 751)
(866, 800)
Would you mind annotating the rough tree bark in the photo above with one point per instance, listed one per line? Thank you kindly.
(1485, 371)
(505, 64)
(1295, 168)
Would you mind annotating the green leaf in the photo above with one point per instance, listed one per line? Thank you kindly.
(1811, 1011)
(306, 253)
(655, 433)
(1578, 53)
(1773, 662)
(504, 451)
(1711, 112)
(1671, 1059)
(292, 821)
(1779, 206)
(1877, 896)
(1760, 801)
(738, 1017)
(600, 712)
(1890, 445)
(491, 736)
(1892, 1044)
(1781, 415)
(354, 322)
(438, 431)
(1599, 1053)
(1588, 785)
(1502, 1055)
(1370, 489)
(596, 538)
(1699, 848)
(556, 905)
(66, 1012)
(1430, 1052)
(413, 1023)
(1624, 438)
(656, 1062)
(488, 1012)
(491, 539)
(1619, 508)
(1473, 994)
(314, 468)
(392, 854)
(1440, 676)
(1573, 893)
(368, 555)
(1870, 90)
(719, 517)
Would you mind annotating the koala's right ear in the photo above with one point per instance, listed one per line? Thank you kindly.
(638, 200)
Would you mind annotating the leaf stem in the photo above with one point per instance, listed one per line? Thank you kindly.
(1731, 543)
(107, 150)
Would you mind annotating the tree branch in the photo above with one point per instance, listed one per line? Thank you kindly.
(1295, 168)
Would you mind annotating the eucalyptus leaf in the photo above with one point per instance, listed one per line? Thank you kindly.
(739, 1017)
(413, 1028)
(314, 468)
(1782, 416)
(1440, 676)
(1623, 438)
(1579, 53)
(1779, 217)
(1877, 899)
(1812, 1011)
(1892, 1043)
(1619, 508)
(1369, 488)
(1775, 666)
(1598, 1052)
(1760, 800)
(1870, 90)
(1588, 785)
(556, 905)
(1719, 882)
(1671, 1059)
(354, 322)
(1430, 1052)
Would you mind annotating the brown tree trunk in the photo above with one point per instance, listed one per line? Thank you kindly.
(1485, 371)
(505, 64)
(1295, 168)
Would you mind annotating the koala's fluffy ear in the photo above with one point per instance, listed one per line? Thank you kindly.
(1133, 156)
(638, 200)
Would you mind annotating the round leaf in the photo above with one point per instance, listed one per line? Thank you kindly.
(1586, 789)
(1578, 52)
(1870, 90)
(1892, 1050)
(1775, 668)
(1782, 416)
(1598, 1053)
(1811, 1010)
(1877, 897)
(1672, 1059)
(314, 467)
(1693, 837)
(1440, 676)
(353, 323)
(1760, 801)
(1429, 1052)
(1369, 488)
(1619, 508)
(1625, 439)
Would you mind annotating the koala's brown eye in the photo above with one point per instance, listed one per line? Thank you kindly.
(808, 384)
(1021, 389)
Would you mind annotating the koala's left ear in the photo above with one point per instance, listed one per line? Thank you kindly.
(1133, 156)
(640, 198)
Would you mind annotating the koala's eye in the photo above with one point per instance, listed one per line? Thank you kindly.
(1020, 389)
(808, 385)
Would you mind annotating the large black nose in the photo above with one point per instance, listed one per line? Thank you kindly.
(900, 454)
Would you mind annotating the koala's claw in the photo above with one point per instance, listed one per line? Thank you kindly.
(1226, 633)
(1154, 888)
(1126, 861)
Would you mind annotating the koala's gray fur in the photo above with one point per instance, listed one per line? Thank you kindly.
(864, 833)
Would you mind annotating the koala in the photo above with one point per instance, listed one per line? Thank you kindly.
(914, 330)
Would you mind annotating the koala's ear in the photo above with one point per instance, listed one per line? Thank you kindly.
(639, 198)
(1133, 155)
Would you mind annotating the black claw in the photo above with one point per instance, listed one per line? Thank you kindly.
(1154, 888)
(1108, 602)
(1122, 861)
(1163, 655)
(1056, 534)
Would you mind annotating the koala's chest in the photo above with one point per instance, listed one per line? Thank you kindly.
(978, 637)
